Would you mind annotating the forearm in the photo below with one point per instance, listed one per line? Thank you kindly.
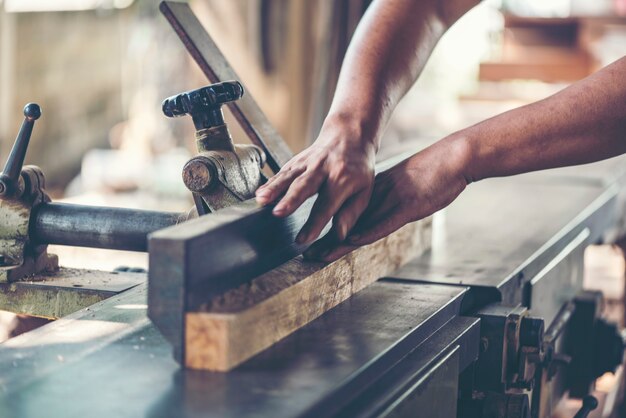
(584, 123)
(388, 52)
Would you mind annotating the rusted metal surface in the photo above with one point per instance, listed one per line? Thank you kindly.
(20, 257)
(14, 221)
(213, 64)
(225, 178)
(66, 291)
(199, 175)
(223, 174)
(21, 189)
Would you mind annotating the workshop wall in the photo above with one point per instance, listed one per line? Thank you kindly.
(55, 62)
(288, 52)
(93, 72)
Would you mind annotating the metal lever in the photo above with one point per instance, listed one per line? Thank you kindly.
(204, 104)
(589, 404)
(222, 174)
(10, 177)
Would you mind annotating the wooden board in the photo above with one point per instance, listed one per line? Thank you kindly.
(235, 326)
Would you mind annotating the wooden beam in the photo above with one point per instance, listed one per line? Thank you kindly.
(235, 326)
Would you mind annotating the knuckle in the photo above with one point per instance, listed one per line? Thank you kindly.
(301, 184)
(286, 203)
(341, 167)
(340, 180)
(316, 164)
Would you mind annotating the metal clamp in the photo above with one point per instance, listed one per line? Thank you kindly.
(21, 189)
(222, 174)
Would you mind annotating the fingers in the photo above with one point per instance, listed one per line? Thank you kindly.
(300, 189)
(328, 251)
(346, 217)
(277, 185)
(343, 221)
(337, 252)
(328, 202)
(376, 229)
(321, 247)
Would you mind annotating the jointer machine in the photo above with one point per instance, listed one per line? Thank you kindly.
(490, 321)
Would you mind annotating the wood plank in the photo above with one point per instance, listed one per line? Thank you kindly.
(235, 326)
(192, 262)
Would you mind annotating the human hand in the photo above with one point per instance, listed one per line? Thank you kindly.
(414, 189)
(340, 167)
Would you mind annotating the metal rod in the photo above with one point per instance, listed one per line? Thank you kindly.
(10, 177)
(97, 226)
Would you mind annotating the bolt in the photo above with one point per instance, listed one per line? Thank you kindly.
(198, 175)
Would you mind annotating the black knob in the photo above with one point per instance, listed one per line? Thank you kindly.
(589, 404)
(10, 177)
(204, 104)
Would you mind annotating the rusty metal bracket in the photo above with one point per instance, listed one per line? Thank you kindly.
(222, 174)
(21, 189)
(20, 256)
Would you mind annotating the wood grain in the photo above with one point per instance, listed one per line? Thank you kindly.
(231, 328)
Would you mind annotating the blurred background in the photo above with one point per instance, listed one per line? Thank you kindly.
(100, 69)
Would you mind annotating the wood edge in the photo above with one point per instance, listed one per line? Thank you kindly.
(219, 347)
(207, 341)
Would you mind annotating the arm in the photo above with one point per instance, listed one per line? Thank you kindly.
(389, 49)
(585, 122)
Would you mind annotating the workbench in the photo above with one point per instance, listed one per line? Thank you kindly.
(414, 331)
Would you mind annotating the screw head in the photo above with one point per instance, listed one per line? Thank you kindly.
(32, 111)
(198, 175)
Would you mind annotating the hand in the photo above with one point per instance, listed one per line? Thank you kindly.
(414, 189)
(340, 167)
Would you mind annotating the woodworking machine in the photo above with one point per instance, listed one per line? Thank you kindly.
(492, 321)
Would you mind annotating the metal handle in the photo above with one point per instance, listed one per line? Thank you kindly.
(204, 104)
(10, 177)
(589, 404)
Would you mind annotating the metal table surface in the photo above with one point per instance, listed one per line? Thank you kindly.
(108, 360)
(501, 232)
